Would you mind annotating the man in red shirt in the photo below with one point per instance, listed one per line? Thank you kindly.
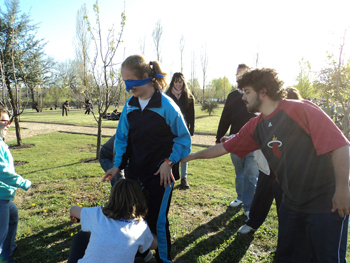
(310, 157)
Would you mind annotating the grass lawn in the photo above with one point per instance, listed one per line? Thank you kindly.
(203, 122)
(203, 227)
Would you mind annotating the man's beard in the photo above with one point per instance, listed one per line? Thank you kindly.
(254, 107)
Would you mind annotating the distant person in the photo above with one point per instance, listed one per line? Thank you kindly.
(9, 182)
(235, 115)
(310, 157)
(151, 137)
(182, 96)
(65, 108)
(106, 159)
(88, 106)
(115, 115)
(115, 232)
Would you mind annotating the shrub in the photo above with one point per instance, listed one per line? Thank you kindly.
(209, 106)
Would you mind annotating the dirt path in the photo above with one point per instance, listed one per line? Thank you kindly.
(29, 129)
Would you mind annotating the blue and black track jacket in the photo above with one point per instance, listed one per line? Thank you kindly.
(150, 136)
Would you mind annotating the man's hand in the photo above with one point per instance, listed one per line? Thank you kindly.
(341, 202)
(166, 174)
(341, 198)
(110, 174)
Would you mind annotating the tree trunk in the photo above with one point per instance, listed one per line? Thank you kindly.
(18, 131)
(15, 113)
(99, 135)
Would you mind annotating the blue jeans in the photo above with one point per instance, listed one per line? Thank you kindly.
(247, 174)
(8, 228)
(184, 170)
(304, 237)
(107, 164)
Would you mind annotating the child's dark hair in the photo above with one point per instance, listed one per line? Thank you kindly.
(126, 201)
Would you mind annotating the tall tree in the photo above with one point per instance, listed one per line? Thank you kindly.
(142, 45)
(221, 87)
(204, 64)
(17, 45)
(82, 48)
(195, 87)
(106, 77)
(193, 71)
(157, 38)
(182, 47)
(334, 81)
(304, 81)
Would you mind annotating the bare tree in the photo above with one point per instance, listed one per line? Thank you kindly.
(105, 75)
(157, 37)
(204, 64)
(193, 70)
(82, 47)
(182, 47)
(142, 45)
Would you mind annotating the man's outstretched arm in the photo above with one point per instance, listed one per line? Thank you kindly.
(212, 152)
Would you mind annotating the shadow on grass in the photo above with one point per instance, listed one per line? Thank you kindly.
(49, 245)
(220, 231)
(205, 116)
(50, 168)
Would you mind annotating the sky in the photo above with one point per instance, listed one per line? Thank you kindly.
(232, 32)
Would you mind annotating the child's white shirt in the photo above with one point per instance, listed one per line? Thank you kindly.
(113, 240)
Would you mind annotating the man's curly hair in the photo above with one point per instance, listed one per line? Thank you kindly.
(263, 78)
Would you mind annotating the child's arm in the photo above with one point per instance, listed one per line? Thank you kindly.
(154, 244)
(75, 213)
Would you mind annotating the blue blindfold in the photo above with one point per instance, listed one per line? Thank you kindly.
(139, 82)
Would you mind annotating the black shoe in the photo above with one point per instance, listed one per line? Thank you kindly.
(184, 183)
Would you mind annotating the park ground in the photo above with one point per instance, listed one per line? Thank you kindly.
(60, 164)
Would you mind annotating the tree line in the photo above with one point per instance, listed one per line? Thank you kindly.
(33, 80)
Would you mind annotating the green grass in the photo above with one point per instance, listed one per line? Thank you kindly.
(203, 227)
(203, 122)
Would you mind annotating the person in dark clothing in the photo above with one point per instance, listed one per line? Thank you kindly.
(310, 157)
(267, 187)
(65, 108)
(88, 106)
(106, 158)
(235, 114)
(182, 96)
(153, 137)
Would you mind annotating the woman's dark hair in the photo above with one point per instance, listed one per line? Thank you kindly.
(293, 93)
(266, 78)
(126, 201)
(185, 91)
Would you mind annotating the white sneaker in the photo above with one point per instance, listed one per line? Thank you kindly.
(149, 256)
(245, 229)
(246, 213)
(236, 203)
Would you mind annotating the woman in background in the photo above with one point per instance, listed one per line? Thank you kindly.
(182, 96)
